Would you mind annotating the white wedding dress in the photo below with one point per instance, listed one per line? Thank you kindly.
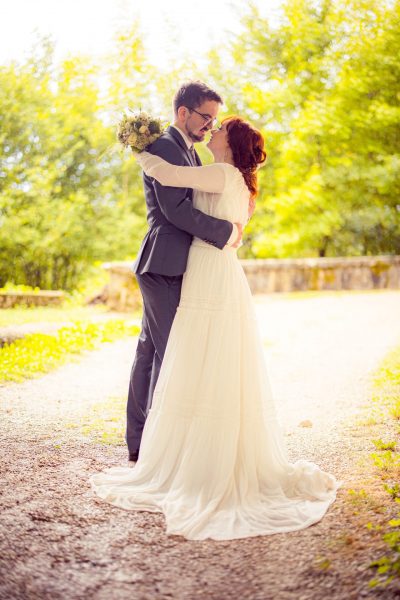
(212, 456)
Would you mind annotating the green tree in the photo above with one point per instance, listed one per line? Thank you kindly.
(63, 203)
(323, 85)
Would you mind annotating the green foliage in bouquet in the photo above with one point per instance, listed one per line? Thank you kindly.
(138, 130)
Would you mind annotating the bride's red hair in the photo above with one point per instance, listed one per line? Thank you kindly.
(247, 146)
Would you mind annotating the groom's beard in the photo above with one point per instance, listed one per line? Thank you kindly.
(200, 136)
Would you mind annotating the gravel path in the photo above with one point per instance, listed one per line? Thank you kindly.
(58, 541)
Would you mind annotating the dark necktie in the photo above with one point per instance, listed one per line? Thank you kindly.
(193, 153)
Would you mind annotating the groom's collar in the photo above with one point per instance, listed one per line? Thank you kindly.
(186, 139)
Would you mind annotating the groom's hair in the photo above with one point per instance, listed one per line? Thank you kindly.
(194, 93)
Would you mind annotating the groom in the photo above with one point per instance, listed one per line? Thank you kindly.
(162, 258)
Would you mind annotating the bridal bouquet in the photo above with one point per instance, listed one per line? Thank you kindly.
(138, 130)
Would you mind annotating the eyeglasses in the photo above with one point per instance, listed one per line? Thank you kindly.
(207, 118)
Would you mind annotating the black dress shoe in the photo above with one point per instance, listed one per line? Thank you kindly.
(133, 456)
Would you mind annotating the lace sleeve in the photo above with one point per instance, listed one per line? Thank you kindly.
(210, 178)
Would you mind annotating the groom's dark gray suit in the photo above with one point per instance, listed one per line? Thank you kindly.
(159, 268)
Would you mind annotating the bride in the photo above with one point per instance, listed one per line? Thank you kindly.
(212, 456)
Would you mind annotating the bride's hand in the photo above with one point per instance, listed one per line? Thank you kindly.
(240, 235)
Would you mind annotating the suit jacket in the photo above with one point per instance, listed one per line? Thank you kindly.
(172, 218)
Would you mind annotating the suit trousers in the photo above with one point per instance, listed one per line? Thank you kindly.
(161, 295)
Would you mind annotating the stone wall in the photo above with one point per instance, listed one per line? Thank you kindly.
(43, 298)
(342, 273)
(122, 292)
(278, 275)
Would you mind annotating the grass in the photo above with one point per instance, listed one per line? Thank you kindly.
(361, 500)
(373, 510)
(385, 445)
(22, 315)
(39, 353)
(386, 460)
(105, 423)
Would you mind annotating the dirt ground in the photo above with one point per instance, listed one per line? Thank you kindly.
(58, 541)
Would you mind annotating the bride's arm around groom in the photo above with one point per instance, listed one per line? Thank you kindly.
(209, 178)
(176, 203)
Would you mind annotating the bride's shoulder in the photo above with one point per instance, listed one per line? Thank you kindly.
(230, 170)
(228, 166)
(234, 174)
